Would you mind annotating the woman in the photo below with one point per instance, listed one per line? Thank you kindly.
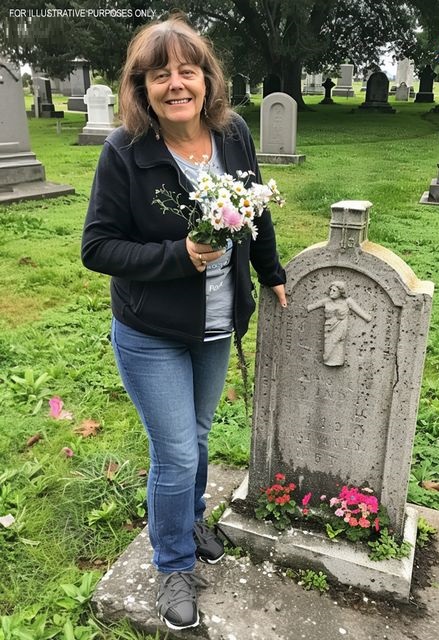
(175, 303)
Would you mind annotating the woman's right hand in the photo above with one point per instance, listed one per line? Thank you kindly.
(202, 254)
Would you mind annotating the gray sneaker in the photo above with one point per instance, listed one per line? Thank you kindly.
(210, 548)
(177, 599)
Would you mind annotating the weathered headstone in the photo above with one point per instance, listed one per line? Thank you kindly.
(43, 96)
(426, 78)
(377, 93)
(240, 90)
(278, 130)
(271, 84)
(100, 115)
(328, 85)
(79, 83)
(337, 384)
(344, 86)
(432, 195)
(402, 92)
(22, 176)
(313, 85)
(405, 71)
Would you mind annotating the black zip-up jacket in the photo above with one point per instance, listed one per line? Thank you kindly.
(155, 288)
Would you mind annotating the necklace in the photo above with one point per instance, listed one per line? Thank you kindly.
(197, 151)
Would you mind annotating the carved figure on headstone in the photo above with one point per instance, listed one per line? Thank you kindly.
(337, 306)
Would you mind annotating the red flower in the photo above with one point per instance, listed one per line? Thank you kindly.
(291, 486)
(306, 499)
(279, 477)
(279, 500)
(305, 511)
(353, 522)
(376, 524)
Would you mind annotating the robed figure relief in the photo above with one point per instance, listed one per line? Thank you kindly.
(337, 306)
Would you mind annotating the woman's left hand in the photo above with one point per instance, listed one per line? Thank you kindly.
(279, 290)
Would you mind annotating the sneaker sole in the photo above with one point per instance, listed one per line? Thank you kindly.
(209, 561)
(174, 627)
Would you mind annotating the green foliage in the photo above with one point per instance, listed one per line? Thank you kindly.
(309, 579)
(29, 388)
(387, 548)
(425, 532)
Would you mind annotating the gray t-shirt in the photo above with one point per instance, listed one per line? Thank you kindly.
(219, 280)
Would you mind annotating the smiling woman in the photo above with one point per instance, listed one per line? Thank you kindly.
(176, 302)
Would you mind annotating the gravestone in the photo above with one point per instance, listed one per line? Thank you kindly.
(22, 176)
(432, 195)
(328, 85)
(43, 95)
(313, 85)
(405, 71)
(271, 84)
(278, 130)
(344, 86)
(240, 90)
(426, 78)
(337, 383)
(79, 83)
(402, 92)
(377, 93)
(100, 115)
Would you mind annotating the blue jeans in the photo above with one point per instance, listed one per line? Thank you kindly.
(175, 388)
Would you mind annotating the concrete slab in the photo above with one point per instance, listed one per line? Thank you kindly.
(280, 158)
(34, 191)
(246, 601)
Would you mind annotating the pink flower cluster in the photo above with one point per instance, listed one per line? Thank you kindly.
(356, 508)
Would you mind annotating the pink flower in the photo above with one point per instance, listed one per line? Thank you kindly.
(279, 477)
(353, 522)
(306, 499)
(339, 513)
(333, 501)
(232, 218)
(67, 452)
(305, 511)
(376, 524)
(364, 522)
(323, 497)
(56, 409)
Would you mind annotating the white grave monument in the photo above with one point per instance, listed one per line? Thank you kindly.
(100, 112)
(344, 87)
(278, 130)
(313, 85)
(405, 71)
(22, 176)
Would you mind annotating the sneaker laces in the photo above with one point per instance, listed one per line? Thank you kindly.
(180, 586)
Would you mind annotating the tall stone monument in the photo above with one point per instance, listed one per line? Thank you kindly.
(240, 90)
(313, 85)
(344, 86)
(100, 115)
(22, 176)
(278, 130)
(79, 83)
(426, 78)
(337, 385)
(405, 71)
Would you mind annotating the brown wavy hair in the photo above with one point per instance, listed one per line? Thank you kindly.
(150, 49)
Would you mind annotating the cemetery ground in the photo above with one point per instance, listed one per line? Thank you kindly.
(75, 486)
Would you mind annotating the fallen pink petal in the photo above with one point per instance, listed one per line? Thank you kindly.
(69, 453)
(56, 409)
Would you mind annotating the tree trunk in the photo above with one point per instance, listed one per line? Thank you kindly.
(291, 81)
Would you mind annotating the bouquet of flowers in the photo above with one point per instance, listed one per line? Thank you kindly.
(224, 208)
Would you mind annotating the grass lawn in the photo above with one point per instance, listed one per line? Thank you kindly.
(74, 515)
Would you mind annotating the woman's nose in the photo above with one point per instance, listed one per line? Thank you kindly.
(175, 81)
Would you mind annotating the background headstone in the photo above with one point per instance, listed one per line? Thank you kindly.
(377, 93)
(328, 85)
(432, 195)
(278, 130)
(43, 94)
(402, 92)
(344, 86)
(405, 72)
(80, 81)
(100, 115)
(240, 90)
(313, 85)
(426, 78)
(22, 176)
(337, 383)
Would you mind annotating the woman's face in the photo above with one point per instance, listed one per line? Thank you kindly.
(334, 292)
(176, 93)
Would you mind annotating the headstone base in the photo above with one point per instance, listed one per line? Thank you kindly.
(424, 97)
(381, 107)
(280, 158)
(36, 190)
(428, 197)
(340, 560)
(343, 92)
(94, 135)
(327, 101)
(76, 103)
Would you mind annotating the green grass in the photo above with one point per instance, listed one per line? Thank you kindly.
(54, 320)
